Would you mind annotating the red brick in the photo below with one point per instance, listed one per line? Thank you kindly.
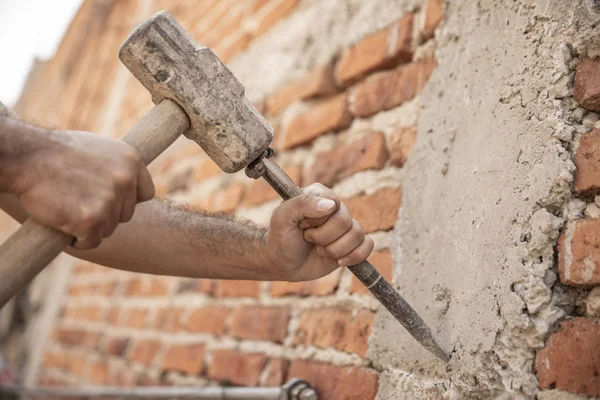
(75, 364)
(256, 5)
(270, 14)
(161, 188)
(206, 286)
(586, 88)
(319, 287)
(188, 358)
(587, 161)
(343, 330)
(77, 337)
(379, 50)
(54, 359)
(391, 88)
(402, 142)
(158, 286)
(581, 268)
(382, 261)
(122, 377)
(225, 200)
(237, 289)
(232, 45)
(207, 319)
(48, 381)
(155, 286)
(378, 211)
(433, 14)
(116, 346)
(205, 170)
(259, 191)
(144, 351)
(336, 383)
(168, 319)
(114, 316)
(237, 367)
(90, 313)
(98, 372)
(226, 26)
(134, 287)
(208, 18)
(330, 167)
(261, 323)
(84, 268)
(275, 372)
(93, 289)
(136, 318)
(570, 359)
(318, 82)
(324, 116)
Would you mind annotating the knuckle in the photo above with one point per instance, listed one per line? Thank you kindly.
(357, 230)
(343, 220)
(358, 255)
(122, 178)
(331, 252)
(88, 219)
(305, 197)
(131, 155)
(108, 201)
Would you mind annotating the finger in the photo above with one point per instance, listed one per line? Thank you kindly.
(90, 241)
(304, 206)
(129, 201)
(359, 254)
(114, 216)
(348, 242)
(145, 186)
(317, 189)
(333, 229)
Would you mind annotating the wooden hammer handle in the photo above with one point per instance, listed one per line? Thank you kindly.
(27, 251)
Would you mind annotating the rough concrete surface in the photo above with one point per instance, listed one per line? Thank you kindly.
(485, 193)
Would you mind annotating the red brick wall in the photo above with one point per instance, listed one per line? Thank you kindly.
(120, 328)
(570, 360)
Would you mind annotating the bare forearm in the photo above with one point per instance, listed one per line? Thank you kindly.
(17, 141)
(167, 239)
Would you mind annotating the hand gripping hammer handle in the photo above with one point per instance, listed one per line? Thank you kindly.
(379, 287)
(33, 246)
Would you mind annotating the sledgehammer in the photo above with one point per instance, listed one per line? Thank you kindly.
(188, 82)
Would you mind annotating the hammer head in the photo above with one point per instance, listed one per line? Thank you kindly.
(171, 65)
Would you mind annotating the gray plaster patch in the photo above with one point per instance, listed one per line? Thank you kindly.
(486, 191)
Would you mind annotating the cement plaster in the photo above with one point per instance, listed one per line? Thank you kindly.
(485, 193)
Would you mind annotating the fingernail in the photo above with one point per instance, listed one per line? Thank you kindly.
(344, 262)
(325, 204)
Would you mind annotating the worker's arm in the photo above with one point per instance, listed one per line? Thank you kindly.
(168, 239)
(85, 184)
(75, 182)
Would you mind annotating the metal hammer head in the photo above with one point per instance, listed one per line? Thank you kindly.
(171, 65)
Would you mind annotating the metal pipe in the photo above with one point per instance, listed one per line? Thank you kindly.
(295, 389)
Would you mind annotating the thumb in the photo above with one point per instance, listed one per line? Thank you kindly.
(308, 206)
